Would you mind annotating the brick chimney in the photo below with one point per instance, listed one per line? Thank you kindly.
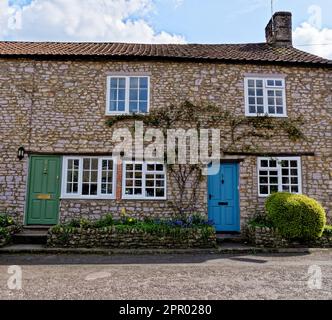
(278, 31)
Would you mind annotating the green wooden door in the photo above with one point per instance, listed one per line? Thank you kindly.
(44, 190)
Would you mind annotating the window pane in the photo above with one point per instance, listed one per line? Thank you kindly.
(278, 83)
(264, 163)
(295, 189)
(133, 106)
(263, 189)
(149, 192)
(93, 189)
(114, 94)
(259, 83)
(160, 192)
(252, 109)
(114, 82)
(159, 167)
(143, 83)
(122, 94)
(293, 163)
(273, 188)
(251, 83)
(113, 106)
(259, 92)
(270, 82)
(133, 94)
(122, 83)
(143, 95)
(260, 101)
(280, 110)
(274, 180)
(143, 107)
(134, 82)
(294, 172)
(260, 109)
(263, 179)
(150, 167)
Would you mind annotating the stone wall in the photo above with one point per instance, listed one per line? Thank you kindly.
(269, 237)
(59, 107)
(111, 237)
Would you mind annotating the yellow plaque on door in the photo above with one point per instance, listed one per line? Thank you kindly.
(43, 196)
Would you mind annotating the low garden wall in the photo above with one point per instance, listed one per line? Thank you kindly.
(268, 237)
(131, 238)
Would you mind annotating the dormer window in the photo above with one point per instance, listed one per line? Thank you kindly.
(127, 94)
(265, 96)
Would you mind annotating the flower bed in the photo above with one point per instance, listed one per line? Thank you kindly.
(130, 233)
(8, 227)
(265, 236)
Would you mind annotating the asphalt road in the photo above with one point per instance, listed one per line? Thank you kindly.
(169, 276)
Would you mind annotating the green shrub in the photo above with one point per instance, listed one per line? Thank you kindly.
(327, 230)
(104, 222)
(296, 216)
(260, 220)
(6, 220)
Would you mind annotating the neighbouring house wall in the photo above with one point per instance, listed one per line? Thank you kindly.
(59, 107)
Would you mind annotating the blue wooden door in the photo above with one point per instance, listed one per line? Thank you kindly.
(223, 198)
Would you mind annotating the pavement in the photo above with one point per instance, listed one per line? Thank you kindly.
(301, 275)
(224, 248)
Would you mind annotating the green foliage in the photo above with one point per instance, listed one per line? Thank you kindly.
(328, 230)
(260, 220)
(296, 216)
(174, 226)
(104, 222)
(6, 220)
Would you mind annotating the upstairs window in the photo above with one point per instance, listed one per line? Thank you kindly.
(127, 94)
(279, 174)
(265, 96)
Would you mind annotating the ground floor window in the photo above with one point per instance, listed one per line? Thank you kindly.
(143, 180)
(88, 177)
(279, 174)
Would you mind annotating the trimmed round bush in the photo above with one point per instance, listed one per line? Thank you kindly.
(296, 216)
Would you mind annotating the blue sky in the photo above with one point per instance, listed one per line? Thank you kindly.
(164, 21)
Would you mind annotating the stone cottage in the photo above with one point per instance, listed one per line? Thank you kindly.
(56, 148)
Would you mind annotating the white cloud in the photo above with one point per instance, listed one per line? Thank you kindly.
(178, 3)
(81, 20)
(312, 37)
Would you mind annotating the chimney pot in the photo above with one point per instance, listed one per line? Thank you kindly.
(278, 31)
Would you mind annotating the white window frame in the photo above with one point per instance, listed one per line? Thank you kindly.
(127, 87)
(265, 95)
(144, 172)
(99, 195)
(279, 168)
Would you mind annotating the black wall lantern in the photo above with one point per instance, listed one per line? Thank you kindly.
(20, 152)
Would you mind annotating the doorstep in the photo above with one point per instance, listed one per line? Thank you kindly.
(231, 248)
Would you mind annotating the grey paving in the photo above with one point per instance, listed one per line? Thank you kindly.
(175, 276)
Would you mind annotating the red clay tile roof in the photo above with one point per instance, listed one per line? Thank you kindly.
(253, 52)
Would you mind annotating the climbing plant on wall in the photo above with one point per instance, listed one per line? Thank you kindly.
(239, 134)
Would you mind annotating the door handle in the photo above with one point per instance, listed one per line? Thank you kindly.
(222, 203)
